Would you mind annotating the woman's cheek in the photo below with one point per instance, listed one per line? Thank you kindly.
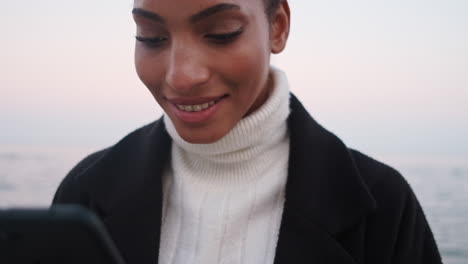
(149, 73)
(249, 62)
(252, 67)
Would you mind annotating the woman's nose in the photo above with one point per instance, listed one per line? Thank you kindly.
(186, 69)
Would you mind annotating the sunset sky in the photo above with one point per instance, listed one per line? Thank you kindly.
(385, 76)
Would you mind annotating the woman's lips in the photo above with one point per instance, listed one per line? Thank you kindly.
(195, 109)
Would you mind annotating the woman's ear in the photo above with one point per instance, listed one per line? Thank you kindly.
(280, 22)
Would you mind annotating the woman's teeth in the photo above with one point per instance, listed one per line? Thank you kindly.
(195, 108)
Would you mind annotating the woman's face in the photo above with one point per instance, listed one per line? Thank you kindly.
(206, 62)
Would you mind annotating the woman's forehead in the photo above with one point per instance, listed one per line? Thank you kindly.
(182, 10)
(192, 5)
(197, 1)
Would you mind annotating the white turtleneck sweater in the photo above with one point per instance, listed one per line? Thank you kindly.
(223, 201)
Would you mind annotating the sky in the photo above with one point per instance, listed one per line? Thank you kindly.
(387, 77)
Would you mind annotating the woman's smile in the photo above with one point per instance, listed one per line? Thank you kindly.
(195, 110)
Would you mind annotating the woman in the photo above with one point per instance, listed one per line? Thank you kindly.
(237, 171)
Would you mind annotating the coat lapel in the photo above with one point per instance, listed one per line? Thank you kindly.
(129, 192)
(302, 241)
(325, 195)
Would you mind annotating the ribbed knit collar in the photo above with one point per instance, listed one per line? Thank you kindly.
(253, 134)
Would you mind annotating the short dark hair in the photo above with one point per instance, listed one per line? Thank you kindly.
(270, 7)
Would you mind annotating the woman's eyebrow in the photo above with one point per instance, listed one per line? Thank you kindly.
(194, 18)
(147, 14)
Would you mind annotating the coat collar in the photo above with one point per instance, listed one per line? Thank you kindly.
(324, 184)
(325, 194)
(125, 188)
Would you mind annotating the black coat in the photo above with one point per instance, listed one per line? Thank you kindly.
(341, 206)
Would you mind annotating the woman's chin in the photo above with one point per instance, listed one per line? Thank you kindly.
(201, 135)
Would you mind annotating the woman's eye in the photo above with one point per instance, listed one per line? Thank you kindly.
(151, 42)
(224, 38)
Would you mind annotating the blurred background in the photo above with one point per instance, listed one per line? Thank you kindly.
(390, 78)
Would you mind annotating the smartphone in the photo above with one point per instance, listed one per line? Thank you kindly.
(59, 234)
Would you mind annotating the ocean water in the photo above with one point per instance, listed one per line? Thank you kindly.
(30, 176)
